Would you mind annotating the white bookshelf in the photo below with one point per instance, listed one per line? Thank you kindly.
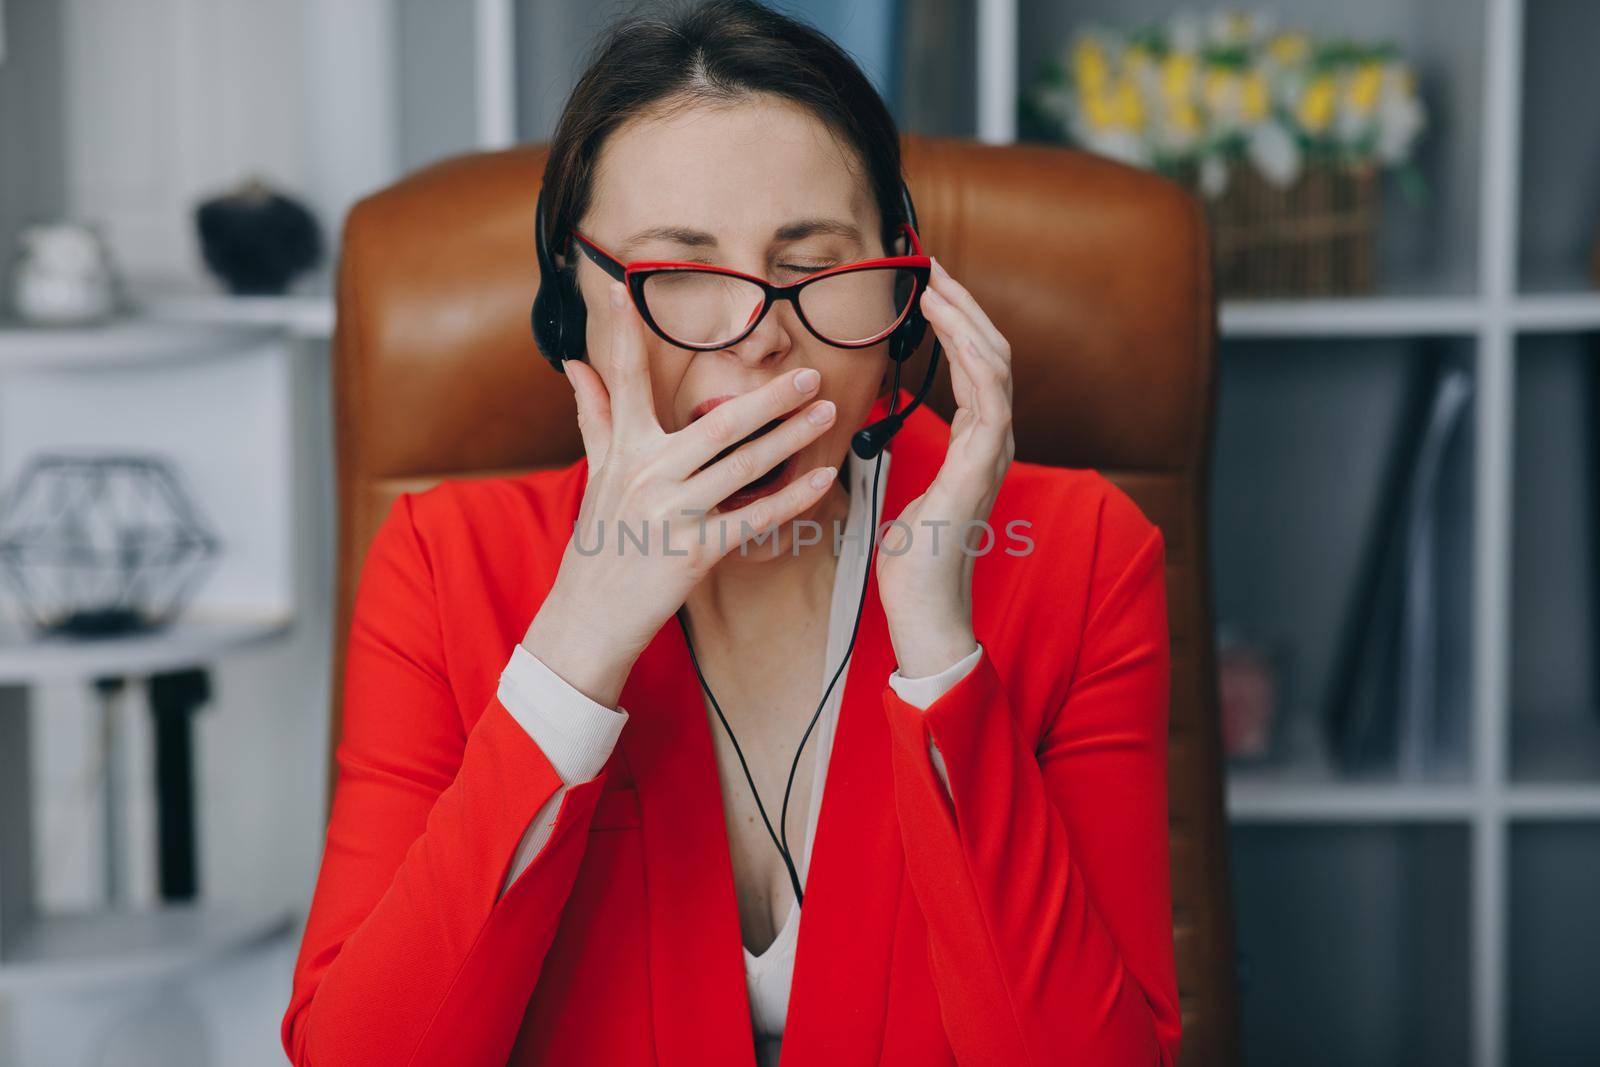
(1493, 279)
(215, 397)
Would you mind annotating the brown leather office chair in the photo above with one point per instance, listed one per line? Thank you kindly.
(1099, 275)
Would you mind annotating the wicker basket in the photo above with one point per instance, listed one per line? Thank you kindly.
(1312, 238)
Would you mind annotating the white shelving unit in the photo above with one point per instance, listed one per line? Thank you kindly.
(140, 383)
(1473, 856)
(93, 134)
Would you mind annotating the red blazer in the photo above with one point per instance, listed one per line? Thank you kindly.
(1029, 922)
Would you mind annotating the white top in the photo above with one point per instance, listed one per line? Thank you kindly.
(577, 735)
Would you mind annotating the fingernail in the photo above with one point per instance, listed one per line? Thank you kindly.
(807, 379)
(822, 477)
(935, 299)
(821, 413)
(618, 296)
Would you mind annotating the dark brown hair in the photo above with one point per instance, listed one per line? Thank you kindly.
(715, 52)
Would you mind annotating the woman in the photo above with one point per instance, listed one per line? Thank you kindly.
(542, 848)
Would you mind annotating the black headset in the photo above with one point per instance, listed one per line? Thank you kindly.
(559, 321)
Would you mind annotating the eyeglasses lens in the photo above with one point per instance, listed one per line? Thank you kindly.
(710, 309)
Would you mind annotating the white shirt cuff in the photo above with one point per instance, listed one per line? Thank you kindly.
(922, 692)
(575, 733)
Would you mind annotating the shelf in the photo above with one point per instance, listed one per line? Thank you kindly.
(1532, 803)
(1362, 316)
(124, 342)
(70, 952)
(193, 639)
(1574, 311)
(1265, 801)
(1303, 786)
(307, 315)
(1262, 800)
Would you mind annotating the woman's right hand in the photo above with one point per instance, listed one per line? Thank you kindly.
(612, 596)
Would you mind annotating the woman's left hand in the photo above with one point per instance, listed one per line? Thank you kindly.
(924, 570)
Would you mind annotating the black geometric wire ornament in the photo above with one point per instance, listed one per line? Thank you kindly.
(101, 544)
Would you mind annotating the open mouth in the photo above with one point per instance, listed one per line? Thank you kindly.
(768, 481)
(746, 439)
(772, 476)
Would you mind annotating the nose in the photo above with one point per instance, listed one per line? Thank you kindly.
(772, 339)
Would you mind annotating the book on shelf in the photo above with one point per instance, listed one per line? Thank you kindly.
(1381, 709)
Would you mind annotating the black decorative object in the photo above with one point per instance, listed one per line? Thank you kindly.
(256, 239)
(174, 698)
(101, 545)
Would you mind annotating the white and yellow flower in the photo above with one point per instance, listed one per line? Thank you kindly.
(1192, 93)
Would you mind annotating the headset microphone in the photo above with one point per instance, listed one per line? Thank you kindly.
(870, 440)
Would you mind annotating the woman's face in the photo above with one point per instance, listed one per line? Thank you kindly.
(729, 178)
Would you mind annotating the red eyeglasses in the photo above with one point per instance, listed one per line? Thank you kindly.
(705, 308)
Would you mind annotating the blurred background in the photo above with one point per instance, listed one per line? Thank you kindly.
(1405, 207)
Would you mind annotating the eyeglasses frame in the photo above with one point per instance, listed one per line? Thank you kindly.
(635, 274)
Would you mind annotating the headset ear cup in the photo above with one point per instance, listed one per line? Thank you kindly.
(547, 327)
(548, 313)
(905, 339)
(575, 320)
(915, 326)
(903, 343)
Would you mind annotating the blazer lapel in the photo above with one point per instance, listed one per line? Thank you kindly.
(853, 885)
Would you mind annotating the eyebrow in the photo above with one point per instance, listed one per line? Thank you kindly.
(693, 238)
